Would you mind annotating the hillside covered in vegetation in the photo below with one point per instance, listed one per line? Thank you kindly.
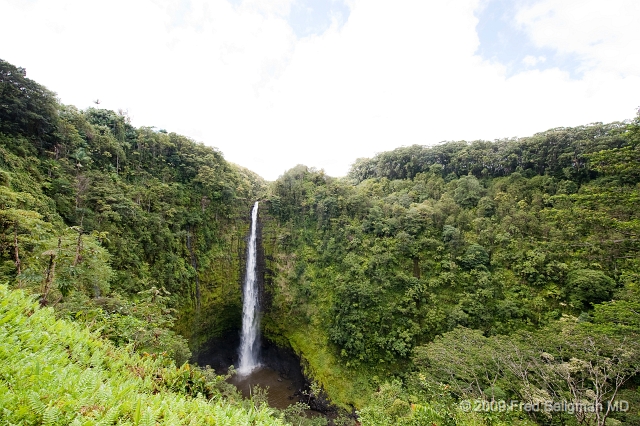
(54, 372)
(503, 270)
(427, 278)
(107, 219)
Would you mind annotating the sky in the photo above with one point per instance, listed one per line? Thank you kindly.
(276, 83)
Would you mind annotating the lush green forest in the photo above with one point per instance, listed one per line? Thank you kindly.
(119, 224)
(503, 270)
(429, 277)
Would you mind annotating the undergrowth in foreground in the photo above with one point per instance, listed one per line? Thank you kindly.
(54, 372)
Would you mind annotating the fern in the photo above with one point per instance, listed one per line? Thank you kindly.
(110, 417)
(35, 404)
(51, 416)
(86, 384)
(148, 419)
(87, 381)
(103, 395)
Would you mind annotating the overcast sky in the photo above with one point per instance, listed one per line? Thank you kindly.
(275, 83)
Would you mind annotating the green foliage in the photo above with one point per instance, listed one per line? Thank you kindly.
(587, 287)
(69, 262)
(27, 108)
(421, 404)
(403, 250)
(468, 191)
(55, 372)
(458, 269)
(475, 256)
(586, 362)
(92, 204)
(144, 324)
(560, 152)
(621, 161)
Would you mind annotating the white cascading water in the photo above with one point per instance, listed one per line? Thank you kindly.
(249, 344)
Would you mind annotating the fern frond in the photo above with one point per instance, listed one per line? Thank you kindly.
(148, 419)
(51, 416)
(35, 404)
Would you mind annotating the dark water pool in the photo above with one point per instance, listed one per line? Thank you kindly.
(280, 369)
(280, 389)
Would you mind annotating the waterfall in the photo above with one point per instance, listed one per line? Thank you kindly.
(249, 344)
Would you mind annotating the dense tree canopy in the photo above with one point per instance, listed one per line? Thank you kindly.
(93, 207)
(478, 242)
(26, 108)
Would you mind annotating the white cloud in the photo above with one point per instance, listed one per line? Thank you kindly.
(532, 61)
(604, 34)
(236, 77)
(272, 7)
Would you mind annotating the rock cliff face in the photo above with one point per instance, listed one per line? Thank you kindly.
(270, 274)
(220, 309)
(219, 331)
(261, 266)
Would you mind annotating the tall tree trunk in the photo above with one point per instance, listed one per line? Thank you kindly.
(16, 249)
(78, 256)
(51, 270)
